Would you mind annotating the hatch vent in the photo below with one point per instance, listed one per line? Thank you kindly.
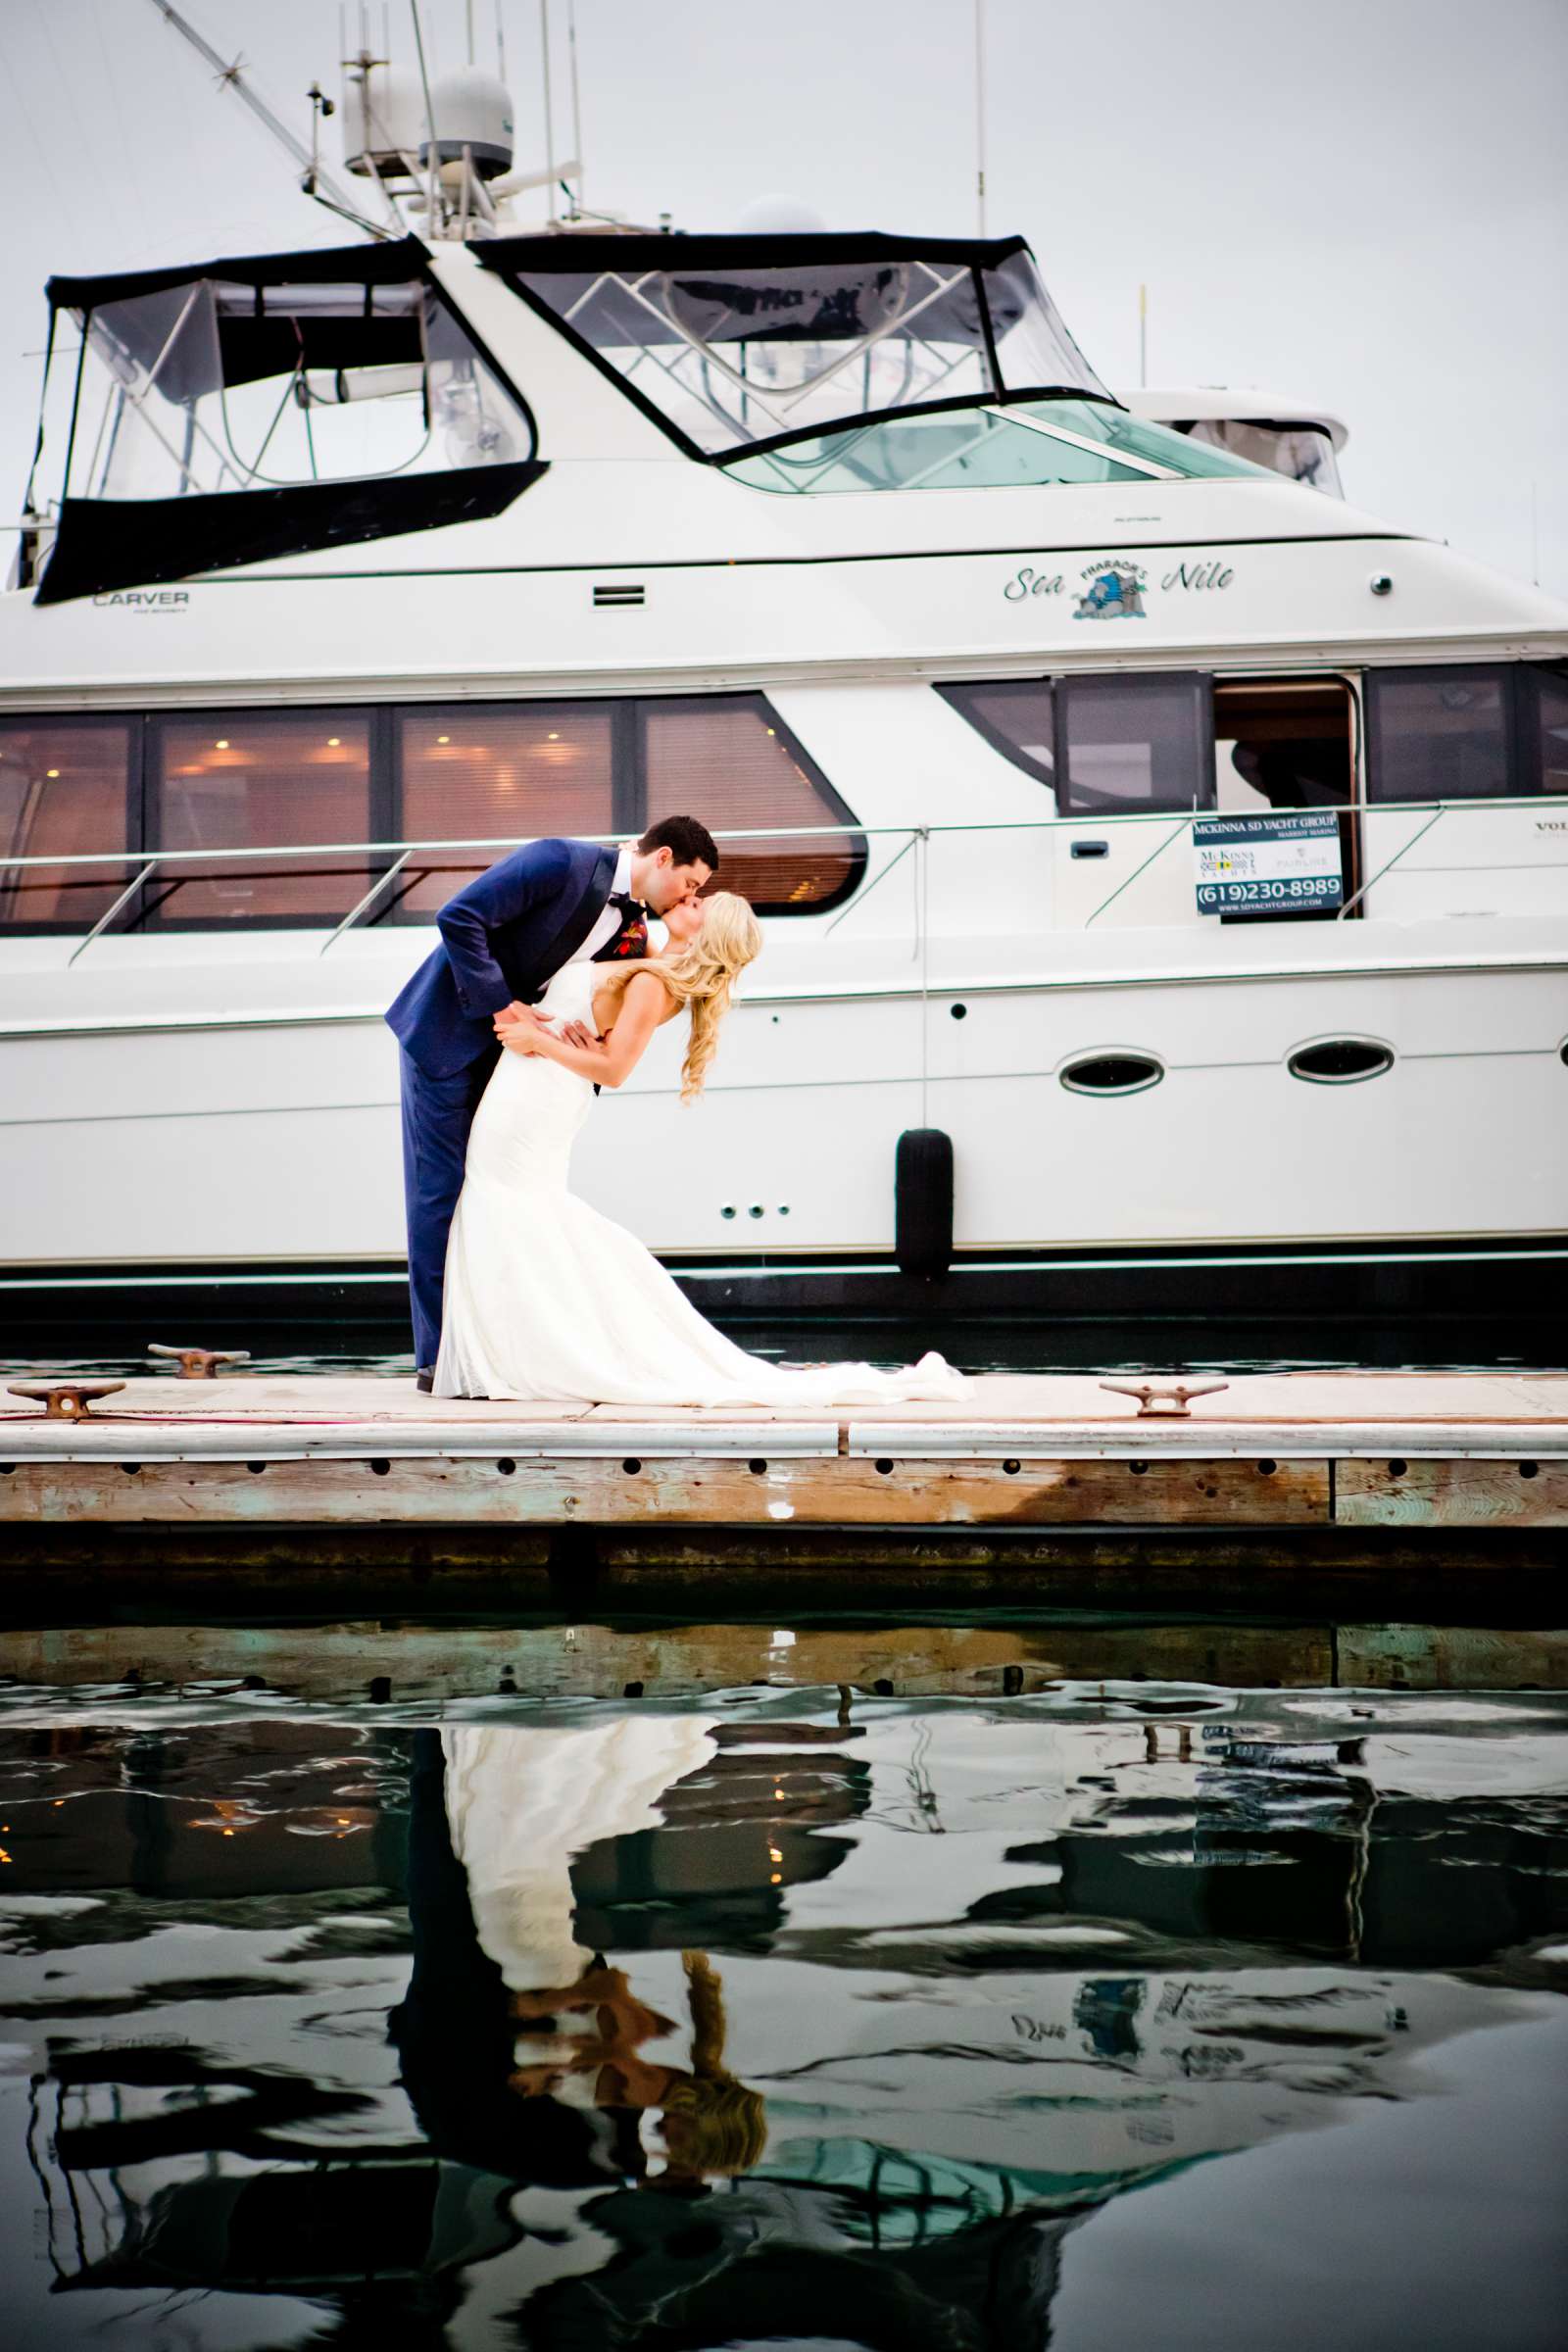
(633, 593)
(1113, 1073)
(1340, 1060)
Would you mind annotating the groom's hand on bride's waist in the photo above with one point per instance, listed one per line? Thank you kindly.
(517, 1015)
(515, 1024)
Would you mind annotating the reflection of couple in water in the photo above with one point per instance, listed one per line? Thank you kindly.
(523, 2051)
(712, 2124)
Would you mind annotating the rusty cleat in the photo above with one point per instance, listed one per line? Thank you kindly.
(201, 1364)
(65, 1399)
(1165, 1400)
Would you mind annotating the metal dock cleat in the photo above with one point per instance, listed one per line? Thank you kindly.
(201, 1364)
(65, 1399)
(1166, 1401)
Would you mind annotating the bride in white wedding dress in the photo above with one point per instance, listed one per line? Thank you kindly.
(547, 1300)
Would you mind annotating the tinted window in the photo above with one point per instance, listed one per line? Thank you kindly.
(1129, 746)
(1439, 734)
(1017, 716)
(259, 779)
(730, 760)
(500, 773)
(65, 792)
(1550, 727)
(332, 782)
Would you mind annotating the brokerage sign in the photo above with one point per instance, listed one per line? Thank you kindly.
(1279, 862)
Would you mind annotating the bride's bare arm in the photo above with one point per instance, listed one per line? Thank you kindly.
(611, 1060)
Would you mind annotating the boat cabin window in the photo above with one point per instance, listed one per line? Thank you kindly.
(1548, 720)
(1017, 716)
(204, 786)
(497, 772)
(1441, 734)
(221, 413)
(509, 771)
(258, 780)
(1105, 746)
(1132, 746)
(729, 341)
(731, 762)
(1477, 732)
(67, 790)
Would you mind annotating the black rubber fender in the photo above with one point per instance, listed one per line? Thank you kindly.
(922, 1202)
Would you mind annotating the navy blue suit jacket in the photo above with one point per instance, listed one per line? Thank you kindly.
(503, 937)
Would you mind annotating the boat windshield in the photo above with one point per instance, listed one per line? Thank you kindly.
(731, 341)
(989, 447)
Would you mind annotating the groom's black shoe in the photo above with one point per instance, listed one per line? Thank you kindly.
(424, 1382)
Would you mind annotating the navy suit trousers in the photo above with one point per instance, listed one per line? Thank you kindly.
(437, 1115)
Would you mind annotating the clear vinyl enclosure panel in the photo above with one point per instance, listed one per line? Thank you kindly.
(1301, 453)
(237, 411)
(210, 386)
(735, 340)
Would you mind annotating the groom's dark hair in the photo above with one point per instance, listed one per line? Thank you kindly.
(686, 840)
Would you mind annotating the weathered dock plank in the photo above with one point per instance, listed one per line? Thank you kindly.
(403, 1490)
(1530, 1491)
(1045, 1489)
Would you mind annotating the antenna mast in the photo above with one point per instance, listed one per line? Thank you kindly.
(980, 112)
(550, 131)
(312, 179)
(577, 100)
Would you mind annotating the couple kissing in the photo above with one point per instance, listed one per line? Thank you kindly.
(545, 986)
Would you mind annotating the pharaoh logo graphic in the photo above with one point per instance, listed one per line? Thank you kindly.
(1112, 590)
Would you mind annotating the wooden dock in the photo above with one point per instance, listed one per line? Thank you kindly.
(1036, 1487)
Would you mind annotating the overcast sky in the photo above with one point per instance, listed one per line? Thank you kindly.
(1362, 203)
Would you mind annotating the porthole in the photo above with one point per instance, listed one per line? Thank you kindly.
(1113, 1073)
(1340, 1060)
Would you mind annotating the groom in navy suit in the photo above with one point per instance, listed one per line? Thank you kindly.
(504, 938)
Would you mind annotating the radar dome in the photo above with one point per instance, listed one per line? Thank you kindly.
(383, 120)
(471, 109)
(780, 216)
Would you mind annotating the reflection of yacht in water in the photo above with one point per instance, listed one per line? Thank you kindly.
(1175, 1937)
(1102, 792)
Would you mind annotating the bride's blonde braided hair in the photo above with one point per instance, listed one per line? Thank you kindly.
(701, 976)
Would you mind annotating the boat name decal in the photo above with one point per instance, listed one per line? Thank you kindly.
(147, 600)
(1113, 586)
(1112, 590)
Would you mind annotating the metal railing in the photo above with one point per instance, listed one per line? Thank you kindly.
(914, 840)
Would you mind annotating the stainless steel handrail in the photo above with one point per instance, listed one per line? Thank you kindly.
(1097, 819)
(913, 837)
(109, 914)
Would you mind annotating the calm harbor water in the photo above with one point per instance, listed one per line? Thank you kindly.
(1116, 2012)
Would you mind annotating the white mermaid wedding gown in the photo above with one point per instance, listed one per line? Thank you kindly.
(547, 1300)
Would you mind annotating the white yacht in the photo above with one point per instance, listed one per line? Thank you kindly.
(1164, 866)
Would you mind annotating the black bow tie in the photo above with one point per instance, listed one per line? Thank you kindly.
(630, 910)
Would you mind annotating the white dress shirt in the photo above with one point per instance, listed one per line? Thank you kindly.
(609, 922)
